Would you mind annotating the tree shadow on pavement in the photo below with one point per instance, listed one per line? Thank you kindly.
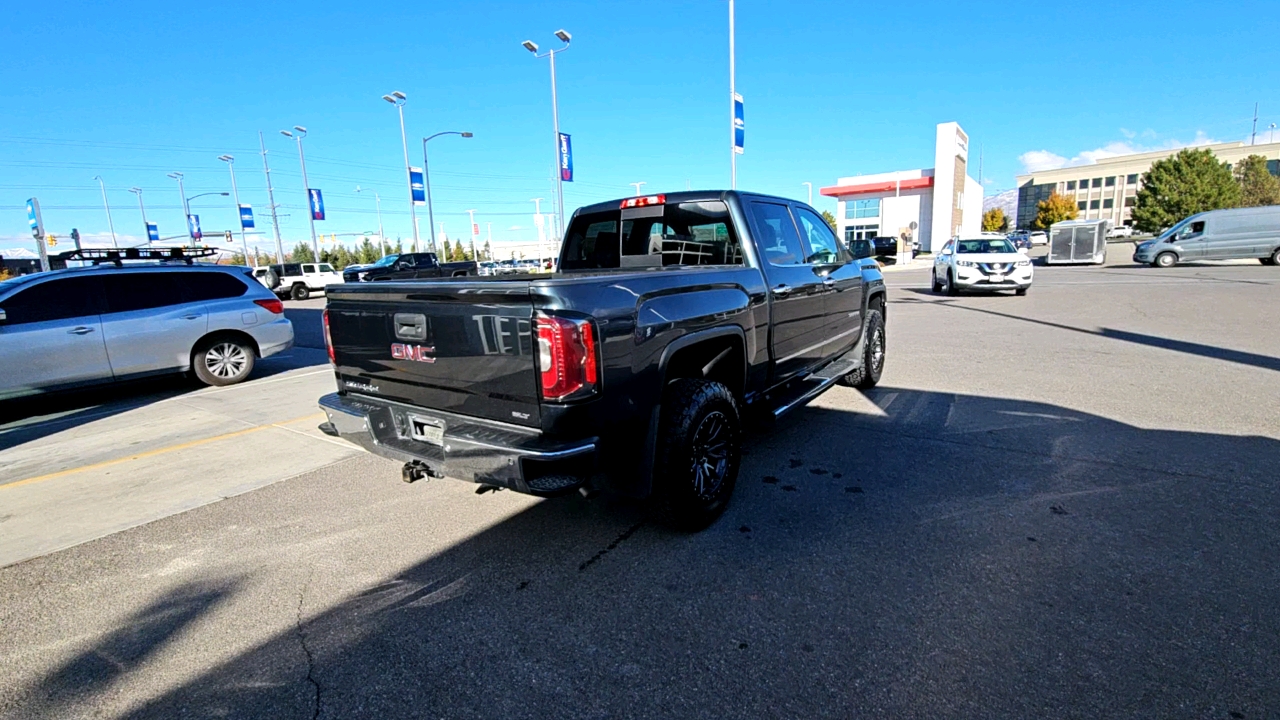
(939, 555)
(96, 669)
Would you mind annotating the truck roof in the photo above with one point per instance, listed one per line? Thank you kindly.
(680, 197)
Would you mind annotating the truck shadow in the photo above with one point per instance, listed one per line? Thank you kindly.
(985, 552)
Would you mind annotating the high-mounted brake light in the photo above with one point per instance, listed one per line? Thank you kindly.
(567, 357)
(328, 339)
(644, 201)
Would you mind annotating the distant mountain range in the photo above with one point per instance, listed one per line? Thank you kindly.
(1006, 201)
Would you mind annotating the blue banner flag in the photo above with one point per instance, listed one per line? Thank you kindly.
(566, 158)
(317, 203)
(33, 218)
(193, 227)
(153, 232)
(739, 126)
(246, 217)
(416, 186)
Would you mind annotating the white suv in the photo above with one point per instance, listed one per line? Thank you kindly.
(299, 280)
(982, 263)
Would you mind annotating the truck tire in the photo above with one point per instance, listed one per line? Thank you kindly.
(222, 360)
(873, 354)
(1166, 260)
(1274, 259)
(300, 292)
(698, 450)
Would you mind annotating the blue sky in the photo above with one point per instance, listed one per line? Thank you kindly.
(132, 90)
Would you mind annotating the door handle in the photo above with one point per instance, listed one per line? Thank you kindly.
(192, 317)
(82, 330)
(782, 290)
(829, 282)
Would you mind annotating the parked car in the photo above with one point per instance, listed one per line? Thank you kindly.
(1020, 239)
(632, 367)
(299, 280)
(981, 264)
(83, 326)
(410, 266)
(885, 245)
(1252, 232)
(1039, 237)
(1120, 231)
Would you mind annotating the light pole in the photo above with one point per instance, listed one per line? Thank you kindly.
(475, 230)
(146, 227)
(398, 98)
(488, 240)
(231, 165)
(426, 177)
(186, 210)
(637, 185)
(271, 199)
(532, 47)
(107, 206)
(382, 239)
(810, 186)
(1271, 132)
(306, 187)
(733, 110)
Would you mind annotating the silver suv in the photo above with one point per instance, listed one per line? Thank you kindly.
(83, 326)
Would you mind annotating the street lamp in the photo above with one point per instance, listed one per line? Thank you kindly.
(532, 47)
(398, 99)
(231, 165)
(111, 225)
(146, 227)
(426, 176)
(301, 132)
(186, 210)
(637, 185)
(382, 240)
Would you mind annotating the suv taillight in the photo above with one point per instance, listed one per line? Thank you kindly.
(328, 339)
(567, 357)
(272, 306)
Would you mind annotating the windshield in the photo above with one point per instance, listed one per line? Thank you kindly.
(1173, 230)
(384, 262)
(986, 246)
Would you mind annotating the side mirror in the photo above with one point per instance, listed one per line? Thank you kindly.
(3, 317)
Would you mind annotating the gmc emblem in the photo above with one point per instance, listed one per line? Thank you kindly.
(416, 353)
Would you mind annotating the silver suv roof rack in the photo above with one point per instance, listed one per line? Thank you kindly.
(115, 257)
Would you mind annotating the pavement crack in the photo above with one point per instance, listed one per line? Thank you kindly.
(302, 641)
(617, 541)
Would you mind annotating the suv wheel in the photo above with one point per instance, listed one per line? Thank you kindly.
(952, 288)
(937, 286)
(300, 292)
(223, 361)
(873, 353)
(1274, 259)
(1166, 260)
(699, 443)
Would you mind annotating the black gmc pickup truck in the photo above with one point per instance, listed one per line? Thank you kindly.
(408, 266)
(671, 319)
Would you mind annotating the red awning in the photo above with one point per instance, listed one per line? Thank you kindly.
(888, 186)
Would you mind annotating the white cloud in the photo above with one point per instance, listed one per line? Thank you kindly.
(1039, 160)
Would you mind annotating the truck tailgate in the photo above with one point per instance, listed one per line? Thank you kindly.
(462, 347)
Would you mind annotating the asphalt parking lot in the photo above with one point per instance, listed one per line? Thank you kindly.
(1062, 504)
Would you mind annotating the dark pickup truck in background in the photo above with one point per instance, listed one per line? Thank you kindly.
(408, 266)
(671, 319)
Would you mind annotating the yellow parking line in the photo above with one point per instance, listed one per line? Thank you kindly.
(159, 451)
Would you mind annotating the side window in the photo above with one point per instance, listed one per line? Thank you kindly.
(425, 260)
(824, 249)
(126, 292)
(778, 240)
(59, 299)
(292, 269)
(308, 269)
(201, 286)
(326, 268)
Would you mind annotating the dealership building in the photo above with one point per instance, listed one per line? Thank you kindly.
(1108, 189)
(930, 204)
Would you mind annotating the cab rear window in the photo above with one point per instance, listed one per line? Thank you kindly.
(691, 233)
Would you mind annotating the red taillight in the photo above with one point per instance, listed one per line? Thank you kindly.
(567, 361)
(272, 306)
(644, 201)
(328, 339)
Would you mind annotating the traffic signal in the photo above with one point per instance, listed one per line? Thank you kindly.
(75, 236)
(53, 241)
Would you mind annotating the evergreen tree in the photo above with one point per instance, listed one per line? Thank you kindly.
(1257, 185)
(831, 219)
(487, 252)
(1187, 183)
(302, 253)
(448, 250)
